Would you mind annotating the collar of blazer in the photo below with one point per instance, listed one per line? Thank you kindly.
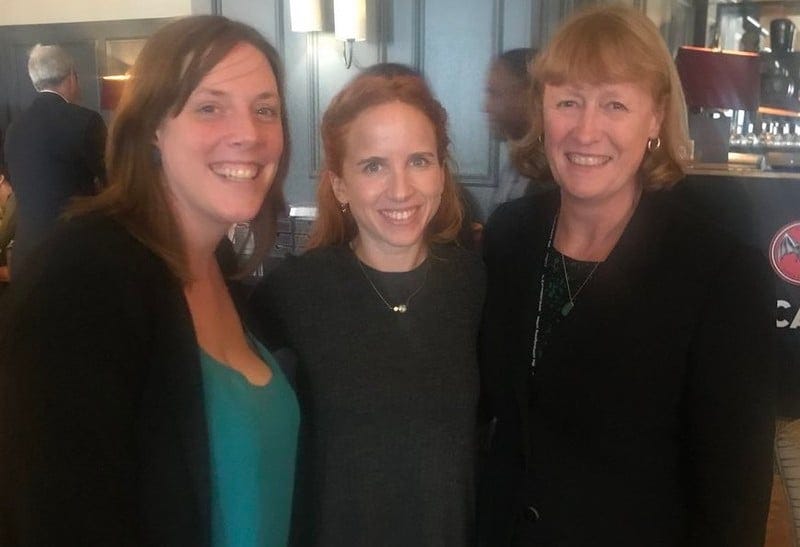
(613, 279)
(46, 92)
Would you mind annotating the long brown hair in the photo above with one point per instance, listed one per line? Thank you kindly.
(610, 44)
(170, 66)
(332, 227)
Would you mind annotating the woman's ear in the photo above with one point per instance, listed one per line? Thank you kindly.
(658, 119)
(338, 186)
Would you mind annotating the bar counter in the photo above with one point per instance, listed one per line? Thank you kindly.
(762, 208)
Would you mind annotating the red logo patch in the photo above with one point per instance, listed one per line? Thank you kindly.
(784, 253)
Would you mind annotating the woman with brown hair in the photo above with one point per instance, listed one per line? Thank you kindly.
(137, 409)
(383, 312)
(626, 345)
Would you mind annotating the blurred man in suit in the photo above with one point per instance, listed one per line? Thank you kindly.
(54, 149)
(506, 104)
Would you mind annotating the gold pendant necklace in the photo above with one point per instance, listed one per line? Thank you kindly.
(397, 308)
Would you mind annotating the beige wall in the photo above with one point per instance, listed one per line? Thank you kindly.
(30, 12)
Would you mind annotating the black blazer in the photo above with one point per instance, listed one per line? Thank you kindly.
(103, 437)
(649, 419)
(54, 151)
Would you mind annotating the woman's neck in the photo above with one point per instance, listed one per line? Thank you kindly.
(203, 268)
(588, 231)
(389, 260)
(200, 242)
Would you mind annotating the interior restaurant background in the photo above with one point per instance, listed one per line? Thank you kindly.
(452, 43)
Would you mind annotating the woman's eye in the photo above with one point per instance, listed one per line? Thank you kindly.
(566, 103)
(207, 109)
(419, 161)
(616, 105)
(372, 167)
(267, 112)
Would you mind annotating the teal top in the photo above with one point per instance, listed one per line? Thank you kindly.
(253, 439)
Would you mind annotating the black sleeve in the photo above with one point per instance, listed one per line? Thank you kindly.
(500, 464)
(267, 311)
(73, 351)
(490, 336)
(95, 148)
(264, 307)
(729, 407)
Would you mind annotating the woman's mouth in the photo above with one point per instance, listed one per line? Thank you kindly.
(236, 171)
(399, 215)
(587, 160)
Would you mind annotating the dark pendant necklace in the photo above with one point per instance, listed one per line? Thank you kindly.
(567, 307)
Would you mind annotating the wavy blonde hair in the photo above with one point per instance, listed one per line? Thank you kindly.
(611, 44)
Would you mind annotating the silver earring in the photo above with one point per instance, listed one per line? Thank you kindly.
(540, 138)
(344, 208)
(653, 144)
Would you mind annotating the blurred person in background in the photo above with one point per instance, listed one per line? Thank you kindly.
(507, 105)
(54, 149)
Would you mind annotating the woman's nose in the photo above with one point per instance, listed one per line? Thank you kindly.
(244, 130)
(587, 126)
(400, 187)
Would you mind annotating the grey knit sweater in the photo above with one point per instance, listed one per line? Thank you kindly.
(388, 400)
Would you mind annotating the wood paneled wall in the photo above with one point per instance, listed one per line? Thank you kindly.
(450, 41)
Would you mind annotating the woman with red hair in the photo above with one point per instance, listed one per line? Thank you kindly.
(383, 311)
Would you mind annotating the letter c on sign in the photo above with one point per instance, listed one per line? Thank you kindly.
(782, 323)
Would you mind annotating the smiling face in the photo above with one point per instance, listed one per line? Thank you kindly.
(595, 137)
(392, 179)
(220, 153)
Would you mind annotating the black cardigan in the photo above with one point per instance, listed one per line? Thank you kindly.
(103, 438)
(649, 419)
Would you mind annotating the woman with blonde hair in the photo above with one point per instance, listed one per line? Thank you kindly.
(383, 311)
(626, 343)
(137, 409)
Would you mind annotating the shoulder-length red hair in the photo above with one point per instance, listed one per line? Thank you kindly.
(332, 227)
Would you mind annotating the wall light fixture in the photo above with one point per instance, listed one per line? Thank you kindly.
(350, 24)
(305, 15)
